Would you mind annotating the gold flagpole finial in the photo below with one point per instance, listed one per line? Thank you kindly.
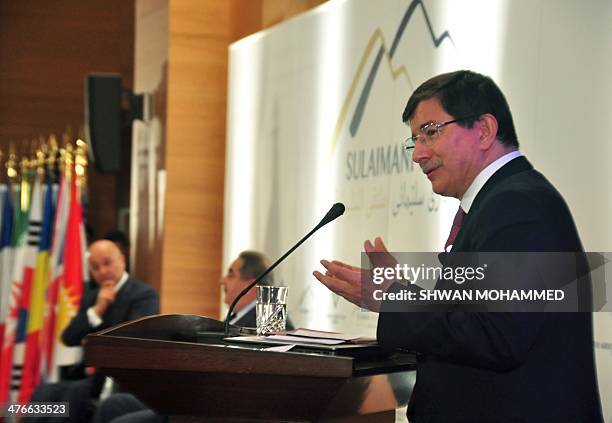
(66, 138)
(32, 153)
(62, 155)
(25, 167)
(68, 161)
(39, 162)
(80, 161)
(52, 154)
(53, 142)
(11, 164)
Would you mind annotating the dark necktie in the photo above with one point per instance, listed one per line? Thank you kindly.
(457, 221)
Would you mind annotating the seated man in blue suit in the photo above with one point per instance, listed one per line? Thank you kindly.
(117, 298)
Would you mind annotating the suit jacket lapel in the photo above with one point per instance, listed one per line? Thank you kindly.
(517, 165)
(120, 305)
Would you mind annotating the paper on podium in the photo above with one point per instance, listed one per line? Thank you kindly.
(281, 348)
(304, 340)
(320, 337)
(324, 342)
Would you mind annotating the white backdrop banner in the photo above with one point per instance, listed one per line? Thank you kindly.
(314, 117)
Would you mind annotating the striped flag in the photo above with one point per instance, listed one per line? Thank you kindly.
(67, 280)
(6, 258)
(71, 289)
(20, 230)
(31, 367)
(49, 338)
(27, 282)
(3, 189)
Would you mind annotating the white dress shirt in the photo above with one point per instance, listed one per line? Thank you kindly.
(483, 177)
(240, 314)
(92, 316)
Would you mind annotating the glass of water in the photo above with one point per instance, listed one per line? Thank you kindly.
(271, 309)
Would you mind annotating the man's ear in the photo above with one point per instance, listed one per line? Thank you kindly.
(123, 261)
(488, 130)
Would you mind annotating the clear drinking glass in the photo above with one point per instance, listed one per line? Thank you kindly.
(271, 309)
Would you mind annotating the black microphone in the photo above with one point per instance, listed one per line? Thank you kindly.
(336, 211)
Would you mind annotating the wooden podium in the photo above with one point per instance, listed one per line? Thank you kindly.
(161, 360)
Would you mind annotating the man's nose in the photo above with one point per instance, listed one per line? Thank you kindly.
(421, 153)
(100, 277)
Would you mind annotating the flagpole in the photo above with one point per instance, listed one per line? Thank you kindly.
(11, 173)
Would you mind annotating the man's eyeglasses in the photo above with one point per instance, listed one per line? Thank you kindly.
(430, 132)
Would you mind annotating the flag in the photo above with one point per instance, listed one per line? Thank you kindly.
(25, 278)
(3, 188)
(31, 367)
(48, 369)
(71, 282)
(6, 262)
(19, 274)
(71, 290)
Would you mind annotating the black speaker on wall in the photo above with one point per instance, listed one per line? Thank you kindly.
(106, 117)
(103, 120)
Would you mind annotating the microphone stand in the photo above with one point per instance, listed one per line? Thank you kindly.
(336, 211)
(260, 278)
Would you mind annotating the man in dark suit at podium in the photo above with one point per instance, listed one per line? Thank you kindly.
(116, 298)
(241, 272)
(485, 367)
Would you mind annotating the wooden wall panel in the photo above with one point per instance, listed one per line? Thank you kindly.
(245, 18)
(195, 155)
(276, 11)
(46, 48)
